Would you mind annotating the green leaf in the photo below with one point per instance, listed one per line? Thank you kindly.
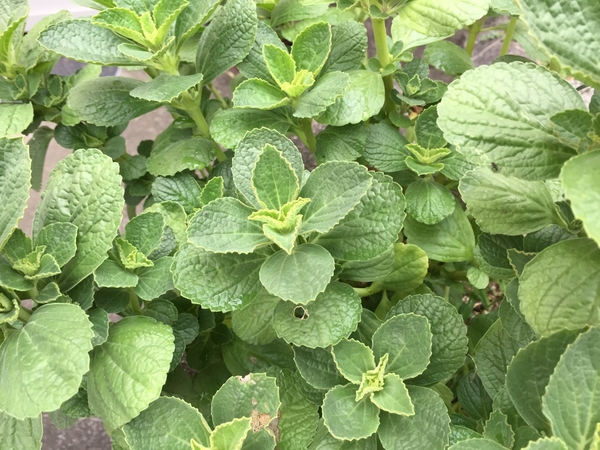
(473, 397)
(334, 190)
(509, 7)
(317, 367)
(254, 322)
(123, 22)
(156, 280)
(106, 101)
(450, 240)
(295, 10)
(247, 155)
(130, 257)
(14, 118)
(254, 65)
(280, 64)
(311, 48)
(549, 306)
(497, 429)
(59, 240)
(572, 398)
(145, 231)
(298, 277)
(324, 93)
(428, 428)
(493, 354)
(111, 274)
(481, 102)
(409, 268)
(348, 47)
(477, 444)
(99, 319)
(448, 57)
(181, 188)
(192, 18)
(228, 39)
(189, 154)
(242, 358)
(11, 279)
(461, 433)
(372, 226)
(83, 41)
(548, 443)
(385, 148)
(375, 269)
(222, 226)
(346, 418)
(526, 386)
(259, 94)
(255, 395)
(554, 35)
(394, 397)
(128, 371)
(508, 205)
(85, 178)
(407, 339)
(353, 359)
(429, 202)
(345, 143)
(38, 146)
(15, 173)
(364, 97)
(230, 126)
(230, 435)
(449, 335)
(430, 18)
(165, 88)
(582, 189)
(169, 423)
(428, 133)
(212, 190)
(219, 282)
(326, 321)
(325, 441)
(25, 434)
(274, 179)
(56, 332)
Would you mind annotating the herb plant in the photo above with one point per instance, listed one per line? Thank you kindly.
(433, 283)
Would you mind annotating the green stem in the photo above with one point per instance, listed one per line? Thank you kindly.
(309, 136)
(474, 31)
(384, 57)
(220, 155)
(368, 291)
(510, 31)
(218, 96)
(131, 211)
(193, 109)
(24, 314)
(134, 303)
(384, 307)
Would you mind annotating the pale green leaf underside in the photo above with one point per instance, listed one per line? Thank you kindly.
(274, 180)
(477, 444)
(567, 34)
(190, 154)
(15, 172)
(580, 181)
(549, 306)
(14, 118)
(128, 371)
(481, 103)
(353, 358)
(20, 434)
(51, 348)
(300, 276)
(166, 88)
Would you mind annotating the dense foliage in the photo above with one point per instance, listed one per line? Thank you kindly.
(433, 283)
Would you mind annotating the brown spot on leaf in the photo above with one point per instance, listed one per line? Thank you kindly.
(259, 420)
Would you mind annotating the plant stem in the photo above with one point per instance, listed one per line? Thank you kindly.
(384, 307)
(193, 109)
(218, 96)
(367, 291)
(309, 136)
(24, 314)
(384, 57)
(134, 303)
(510, 31)
(474, 31)
(131, 211)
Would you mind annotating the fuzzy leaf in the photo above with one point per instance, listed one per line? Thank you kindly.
(56, 332)
(25, 434)
(385, 148)
(259, 94)
(429, 202)
(311, 47)
(353, 359)
(165, 88)
(14, 118)
(346, 418)
(274, 179)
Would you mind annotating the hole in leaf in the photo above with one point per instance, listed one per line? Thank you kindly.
(300, 313)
